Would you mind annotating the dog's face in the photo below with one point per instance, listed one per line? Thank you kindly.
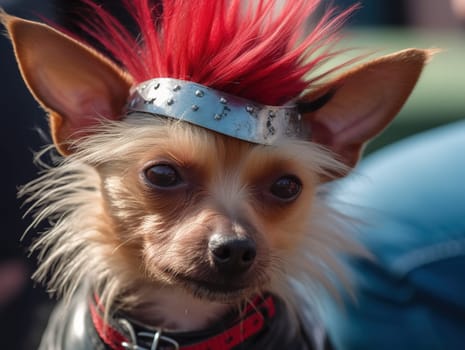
(182, 206)
(205, 212)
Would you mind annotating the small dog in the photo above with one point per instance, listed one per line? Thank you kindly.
(187, 210)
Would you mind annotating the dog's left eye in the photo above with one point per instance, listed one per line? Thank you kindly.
(286, 187)
(163, 175)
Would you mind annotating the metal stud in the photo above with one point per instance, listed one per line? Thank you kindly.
(259, 123)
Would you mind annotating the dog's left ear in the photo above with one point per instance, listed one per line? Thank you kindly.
(77, 86)
(353, 108)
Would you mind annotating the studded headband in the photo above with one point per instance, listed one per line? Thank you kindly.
(215, 110)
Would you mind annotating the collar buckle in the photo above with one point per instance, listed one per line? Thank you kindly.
(156, 337)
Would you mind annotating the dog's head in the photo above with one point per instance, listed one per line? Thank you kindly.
(165, 202)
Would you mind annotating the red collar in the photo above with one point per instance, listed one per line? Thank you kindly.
(257, 315)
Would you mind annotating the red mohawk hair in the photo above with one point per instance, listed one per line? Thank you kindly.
(253, 49)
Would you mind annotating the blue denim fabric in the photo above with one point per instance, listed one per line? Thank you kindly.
(409, 199)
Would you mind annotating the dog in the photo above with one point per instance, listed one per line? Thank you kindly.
(187, 210)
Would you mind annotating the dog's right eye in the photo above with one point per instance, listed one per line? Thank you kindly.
(286, 188)
(163, 175)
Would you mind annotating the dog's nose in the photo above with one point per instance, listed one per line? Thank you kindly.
(232, 255)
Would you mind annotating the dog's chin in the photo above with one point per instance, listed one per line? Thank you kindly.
(215, 290)
(228, 293)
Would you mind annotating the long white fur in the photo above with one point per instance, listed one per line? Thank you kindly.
(75, 250)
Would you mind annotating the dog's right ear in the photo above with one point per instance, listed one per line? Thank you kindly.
(355, 106)
(72, 82)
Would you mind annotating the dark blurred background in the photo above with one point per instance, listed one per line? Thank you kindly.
(384, 26)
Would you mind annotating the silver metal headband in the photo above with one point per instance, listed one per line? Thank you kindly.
(215, 110)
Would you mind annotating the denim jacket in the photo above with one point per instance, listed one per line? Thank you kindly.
(409, 201)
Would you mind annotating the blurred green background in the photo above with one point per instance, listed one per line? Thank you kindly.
(439, 96)
(386, 26)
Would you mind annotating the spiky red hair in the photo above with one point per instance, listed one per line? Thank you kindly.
(254, 49)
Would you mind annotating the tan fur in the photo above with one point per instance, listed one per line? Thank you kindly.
(109, 232)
